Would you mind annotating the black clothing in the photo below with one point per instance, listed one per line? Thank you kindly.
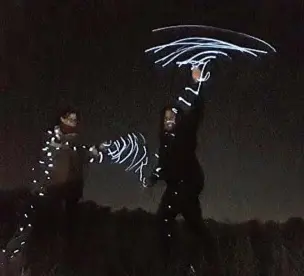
(180, 169)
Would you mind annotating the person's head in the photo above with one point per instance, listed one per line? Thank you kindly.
(170, 118)
(69, 121)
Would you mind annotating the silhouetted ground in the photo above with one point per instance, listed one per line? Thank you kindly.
(125, 243)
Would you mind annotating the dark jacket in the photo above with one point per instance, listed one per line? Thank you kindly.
(65, 160)
(177, 148)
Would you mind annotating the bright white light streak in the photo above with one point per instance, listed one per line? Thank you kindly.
(135, 155)
(204, 44)
(214, 28)
(140, 169)
(184, 101)
(123, 147)
(143, 137)
(100, 157)
(116, 156)
(201, 50)
(130, 147)
(140, 160)
(131, 150)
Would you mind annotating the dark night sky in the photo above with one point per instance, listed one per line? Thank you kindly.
(91, 54)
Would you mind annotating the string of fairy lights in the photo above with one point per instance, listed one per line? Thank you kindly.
(129, 150)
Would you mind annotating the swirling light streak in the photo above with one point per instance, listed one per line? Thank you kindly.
(130, 147)
(140, 170)
(130, 151)
(140, 160)
(203, 50)
(207, 46)
(136, 149)
(124, 146)
(118, 151)
(216, 29)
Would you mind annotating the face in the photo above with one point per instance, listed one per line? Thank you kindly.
(70, 120)
(169, 120)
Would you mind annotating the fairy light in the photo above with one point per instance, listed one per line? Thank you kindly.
(116, 149)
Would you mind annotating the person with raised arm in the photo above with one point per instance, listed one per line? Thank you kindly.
(179, 168)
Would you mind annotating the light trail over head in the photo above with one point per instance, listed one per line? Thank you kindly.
(196, 50)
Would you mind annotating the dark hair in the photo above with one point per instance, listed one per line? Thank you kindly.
(66, 111)
(163, 111)
(187, 122)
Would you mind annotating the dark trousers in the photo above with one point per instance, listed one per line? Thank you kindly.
(67, 198)
(182, 197)
(56, 213)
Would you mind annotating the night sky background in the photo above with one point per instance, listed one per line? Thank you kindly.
(91, 54)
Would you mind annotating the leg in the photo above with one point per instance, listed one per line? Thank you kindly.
(71, 213)
(191, 211)
(46, 223)
(72, 197)
(166, 215)
(202, 240)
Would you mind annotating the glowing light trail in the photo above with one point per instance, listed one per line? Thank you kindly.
(197, 52)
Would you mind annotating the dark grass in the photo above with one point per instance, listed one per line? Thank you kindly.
(125, 243)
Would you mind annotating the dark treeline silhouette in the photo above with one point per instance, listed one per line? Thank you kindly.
(125, 243)
(61, 47)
